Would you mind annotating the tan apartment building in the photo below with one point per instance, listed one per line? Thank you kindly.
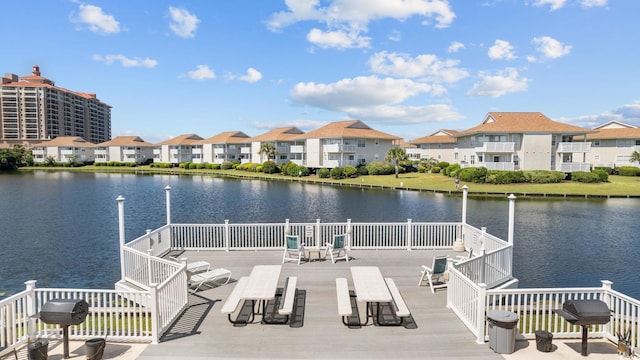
(33, 108)
(180, 149)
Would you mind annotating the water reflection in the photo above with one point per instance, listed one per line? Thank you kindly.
(68, 222)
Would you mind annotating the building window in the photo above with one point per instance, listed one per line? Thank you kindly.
(473, 159)
(362, 143)
(596, 142)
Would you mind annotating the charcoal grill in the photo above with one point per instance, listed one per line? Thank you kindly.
(64, 312)
(585, 313)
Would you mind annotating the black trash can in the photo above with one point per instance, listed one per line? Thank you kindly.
(38, 350)
(94, 348)
(543, 341)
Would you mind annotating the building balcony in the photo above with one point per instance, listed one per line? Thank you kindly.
(574, 147)
(245, 150)
(129, 152)
(339, 148)
(297, 149)
(496, 147)
(504, 165)
(571, 167)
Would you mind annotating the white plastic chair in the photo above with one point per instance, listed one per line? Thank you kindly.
(336, 248)
(435, 274)
(293, 249)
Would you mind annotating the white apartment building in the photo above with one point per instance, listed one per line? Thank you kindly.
(343, 143)
(33, 109)
(180, 149)
(225, 146)
(439, 145)
(287, 141)
(523, 141)
(124, 149)
(612, 144)
(64, 149)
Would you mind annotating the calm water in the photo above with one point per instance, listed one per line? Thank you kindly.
(62, 228)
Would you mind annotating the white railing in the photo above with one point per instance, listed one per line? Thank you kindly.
(502, 165)
(574, 147)
(227, 236)
(496, 147)
(571, 167)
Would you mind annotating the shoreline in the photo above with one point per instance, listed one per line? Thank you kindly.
(316, 181)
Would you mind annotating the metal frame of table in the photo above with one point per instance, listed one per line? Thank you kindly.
(370, 287)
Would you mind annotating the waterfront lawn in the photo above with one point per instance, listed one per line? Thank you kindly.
(617, 185)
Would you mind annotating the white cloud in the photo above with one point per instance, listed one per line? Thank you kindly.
(501, 50)
(455, 47)
(96, 20)
(305, 125)
(628, 114)
(202, 72)
(358, 12)
(183, 23)
(593, 3)
(358, 92)
(353, 16)
(426, 66)
(550, 48)
(252, 76)
(394, 36)
(501, 83)
(126, 61)
(385, 114)
(337, 39)
(554, 4)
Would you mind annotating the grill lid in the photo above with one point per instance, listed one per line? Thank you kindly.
(64, 311)
(585, 312)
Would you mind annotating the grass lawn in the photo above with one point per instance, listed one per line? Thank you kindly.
(617, 185)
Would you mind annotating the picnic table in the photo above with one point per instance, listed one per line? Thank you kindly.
(261, 287)
(370, 287)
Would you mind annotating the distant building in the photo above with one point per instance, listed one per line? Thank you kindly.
(439, 145)
(287, 142)
(178, 150)
(125, 149)
(225, 146)
(613, 143)
(68, 149)
(33, 109)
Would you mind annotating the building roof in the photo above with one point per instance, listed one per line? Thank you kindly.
(36, 80)
(184, 139)
(67, 141)
(126, 141)
(228, 137)
(438, 137)
(280, 134)
(522, 122)
(348, 129)
(615, 130)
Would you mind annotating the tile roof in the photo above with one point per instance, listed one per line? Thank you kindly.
(67, 141)
(280, 134)
(616, 133)
(184, 139)
(126, 141)
(348, 129)
(438, 137)
(522, 122)
(228, 137)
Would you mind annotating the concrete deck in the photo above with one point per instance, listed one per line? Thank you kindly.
(204, 333)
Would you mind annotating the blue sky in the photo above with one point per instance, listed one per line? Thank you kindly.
(406, 67)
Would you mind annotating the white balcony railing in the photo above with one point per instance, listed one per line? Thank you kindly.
(496, 147)
(574, 147)
(338, 148)
(509, 166)
(297, 149)
(245, 150)
(571, 167)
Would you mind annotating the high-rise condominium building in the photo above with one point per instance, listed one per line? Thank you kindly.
(33, 109)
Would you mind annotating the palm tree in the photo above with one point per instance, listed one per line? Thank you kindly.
(396, 155)
(635, 157)
(269, 150)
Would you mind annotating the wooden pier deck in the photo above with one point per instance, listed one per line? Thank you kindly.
(204, 333)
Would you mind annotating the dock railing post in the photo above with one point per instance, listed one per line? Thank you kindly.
(31, 310)
(155, 322)
(167, 190)
(512, 207)
(120, 200)
(409, 240)
(480, 323)
(458, 244)
(349, 234)
(227, 240)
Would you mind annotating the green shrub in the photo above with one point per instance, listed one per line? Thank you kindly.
(443, 164)
(606, 169)
(628, 171)
(324, 173)
(380, 168)
(298, 170)
(452, 170)
(350, 171)
(362, 170)
(472, 174)
(269, 167)
(543, 176)
(505, 177)
(337, 173)
(226, 165)
(436, 170)
(584, 177)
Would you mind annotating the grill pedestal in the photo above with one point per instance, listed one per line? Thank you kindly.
(64, 312)
(585, 313)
